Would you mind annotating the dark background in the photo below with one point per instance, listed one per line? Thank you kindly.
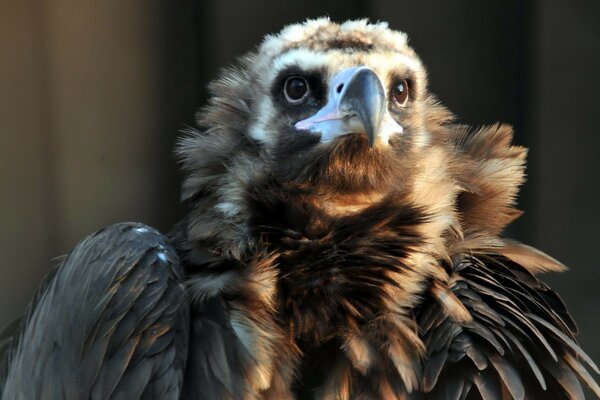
(93, 94)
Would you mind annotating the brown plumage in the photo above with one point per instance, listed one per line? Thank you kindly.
(381, 272)
(343, 242)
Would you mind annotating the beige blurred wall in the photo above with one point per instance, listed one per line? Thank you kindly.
(25, 173)
(84, 137)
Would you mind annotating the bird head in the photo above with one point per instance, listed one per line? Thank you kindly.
(330, 82)
(340, 105)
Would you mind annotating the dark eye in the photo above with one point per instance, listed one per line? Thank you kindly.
(400, 92)
(295, 89)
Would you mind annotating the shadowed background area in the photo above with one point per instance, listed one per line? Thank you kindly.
(93, 94)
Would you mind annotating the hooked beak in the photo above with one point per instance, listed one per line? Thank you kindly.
(356, 104)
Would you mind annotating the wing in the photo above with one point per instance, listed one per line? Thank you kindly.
(494, 331)
(111, 322)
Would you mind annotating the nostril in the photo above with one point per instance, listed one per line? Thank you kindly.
(339, 88)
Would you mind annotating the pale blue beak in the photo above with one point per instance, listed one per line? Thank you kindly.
(356, 104)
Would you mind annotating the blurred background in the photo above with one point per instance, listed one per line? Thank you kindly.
(93, 94)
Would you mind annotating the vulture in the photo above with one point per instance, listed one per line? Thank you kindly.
(343, 241)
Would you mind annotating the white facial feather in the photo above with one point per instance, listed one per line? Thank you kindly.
(305, 59)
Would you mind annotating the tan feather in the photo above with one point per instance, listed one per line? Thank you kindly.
(450, 303)
(531, 258)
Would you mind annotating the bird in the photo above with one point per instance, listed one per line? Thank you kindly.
(344, 240)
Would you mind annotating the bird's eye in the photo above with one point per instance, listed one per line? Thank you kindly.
(295, 89)
(400, 92)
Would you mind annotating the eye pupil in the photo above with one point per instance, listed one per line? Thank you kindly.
(400, 92)
(295, 89)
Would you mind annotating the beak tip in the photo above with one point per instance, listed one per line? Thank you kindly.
(371, 137)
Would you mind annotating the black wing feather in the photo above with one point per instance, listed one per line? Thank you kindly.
(112, 322)
(519, 344)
